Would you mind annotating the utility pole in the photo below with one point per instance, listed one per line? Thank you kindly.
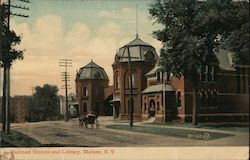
(131, 100)
(66, 78)
(6, 81)
(164, 96)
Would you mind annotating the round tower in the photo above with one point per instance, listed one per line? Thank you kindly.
(143, 58)
(90, 83)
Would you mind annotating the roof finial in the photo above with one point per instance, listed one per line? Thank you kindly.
(91, 60)
(137, 36)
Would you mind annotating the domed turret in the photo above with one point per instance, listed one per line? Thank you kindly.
(139, 51)
(92, 71)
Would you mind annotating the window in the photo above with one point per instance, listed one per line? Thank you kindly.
(215, 98)
(158, 106)
(209, 98)
(149, 55)
(117, 81)
(133, 81)
(178, 99)
(208, 73)
(158, 75)
(85, 91)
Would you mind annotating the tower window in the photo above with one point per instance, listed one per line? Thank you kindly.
(117, 81)
(85, 91)
(133, 80)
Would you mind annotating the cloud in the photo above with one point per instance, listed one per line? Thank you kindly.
(46, 41)
(46, 44)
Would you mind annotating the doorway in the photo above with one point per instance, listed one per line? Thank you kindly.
(152, 108)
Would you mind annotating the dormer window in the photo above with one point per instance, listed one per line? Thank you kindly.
(149, 55)
(208, 73)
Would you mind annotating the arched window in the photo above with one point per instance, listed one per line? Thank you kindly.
(133, 80)
(85, 91)
(117, 81)
(152, 108)
(145, 107)
(127, 80)
(158, 106)
(178, 98)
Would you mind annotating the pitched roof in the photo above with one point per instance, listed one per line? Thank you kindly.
(225, 60)
(158, 88)
(137, 42)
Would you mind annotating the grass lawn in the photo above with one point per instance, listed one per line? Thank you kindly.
(18, 139)
(181, 133)
(218, 126)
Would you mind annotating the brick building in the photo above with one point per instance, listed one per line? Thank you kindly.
(91, 80)
(222, 88)
(223, 93)
(18, 109)
(143, 59)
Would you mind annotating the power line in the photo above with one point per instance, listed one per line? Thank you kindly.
(6, 82)
(66, 78)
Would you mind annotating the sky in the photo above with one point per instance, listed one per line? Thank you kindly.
(80, 30)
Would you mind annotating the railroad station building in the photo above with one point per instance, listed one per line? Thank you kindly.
(222, 88)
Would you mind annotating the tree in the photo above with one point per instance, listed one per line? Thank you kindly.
(9, 54)
(237, 39)
(191, 31)
(44, 104)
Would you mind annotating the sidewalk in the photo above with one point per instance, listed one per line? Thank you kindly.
(204, 127)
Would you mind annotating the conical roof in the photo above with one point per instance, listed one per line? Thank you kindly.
(137, 42)
(139, 51)
(92, 71)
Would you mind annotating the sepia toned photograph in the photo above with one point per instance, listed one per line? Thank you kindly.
(124, 79)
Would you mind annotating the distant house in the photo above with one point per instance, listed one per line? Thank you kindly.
(73, 105)
(19, 106)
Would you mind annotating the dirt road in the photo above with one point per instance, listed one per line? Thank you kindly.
(70, 134)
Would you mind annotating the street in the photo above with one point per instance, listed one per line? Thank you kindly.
(60, 133)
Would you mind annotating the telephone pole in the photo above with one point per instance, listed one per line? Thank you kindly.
(6, 81)
(66, 78)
